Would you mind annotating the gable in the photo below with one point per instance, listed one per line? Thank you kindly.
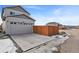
(18, 8)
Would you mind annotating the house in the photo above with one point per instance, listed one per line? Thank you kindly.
(16, 20)
(52, 24)
(56, 24)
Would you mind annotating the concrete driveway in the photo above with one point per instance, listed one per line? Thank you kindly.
(28, 41)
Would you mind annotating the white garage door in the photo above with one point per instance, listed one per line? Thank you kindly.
(20, 28)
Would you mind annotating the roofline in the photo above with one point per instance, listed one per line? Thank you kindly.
(22, 15)
(20, 7)
(12, 7)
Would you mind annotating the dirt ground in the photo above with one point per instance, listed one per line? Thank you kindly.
(72, 44)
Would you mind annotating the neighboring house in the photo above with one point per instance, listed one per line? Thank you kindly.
(52, 24)
(16, 20)
(56, 24)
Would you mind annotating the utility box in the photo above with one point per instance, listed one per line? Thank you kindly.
(46, 30)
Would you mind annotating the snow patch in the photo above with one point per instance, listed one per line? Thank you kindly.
(7, 46)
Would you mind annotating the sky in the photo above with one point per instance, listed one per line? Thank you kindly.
(63, 14)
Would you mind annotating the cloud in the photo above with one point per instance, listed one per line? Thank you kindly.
(65, 19)
(65, 16)
(42, 20)
(57, 11)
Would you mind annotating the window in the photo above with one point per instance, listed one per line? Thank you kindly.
(14, 22)
(20, 22)
(4, 18)
(12, 13)
(11, 22)
(30, 23)
(24, 23)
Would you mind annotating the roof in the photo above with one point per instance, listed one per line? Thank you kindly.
(19, 8)
(22, 16)
(52, 23)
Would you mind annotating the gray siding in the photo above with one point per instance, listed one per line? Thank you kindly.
(7, 12)
(4, 26)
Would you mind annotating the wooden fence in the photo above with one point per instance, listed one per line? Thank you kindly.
(46, 30)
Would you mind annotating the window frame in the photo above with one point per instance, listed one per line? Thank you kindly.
(11, 22)
(12, 13)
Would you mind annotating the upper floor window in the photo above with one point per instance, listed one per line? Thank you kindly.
(12, 13)
(4, 18)
(14, 22)
(11, 22)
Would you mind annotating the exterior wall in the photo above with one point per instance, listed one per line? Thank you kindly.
(7, 12)
(46, 30)
(19, 27)
(4, 26)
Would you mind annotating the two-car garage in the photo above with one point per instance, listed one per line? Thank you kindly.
(16, 25)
